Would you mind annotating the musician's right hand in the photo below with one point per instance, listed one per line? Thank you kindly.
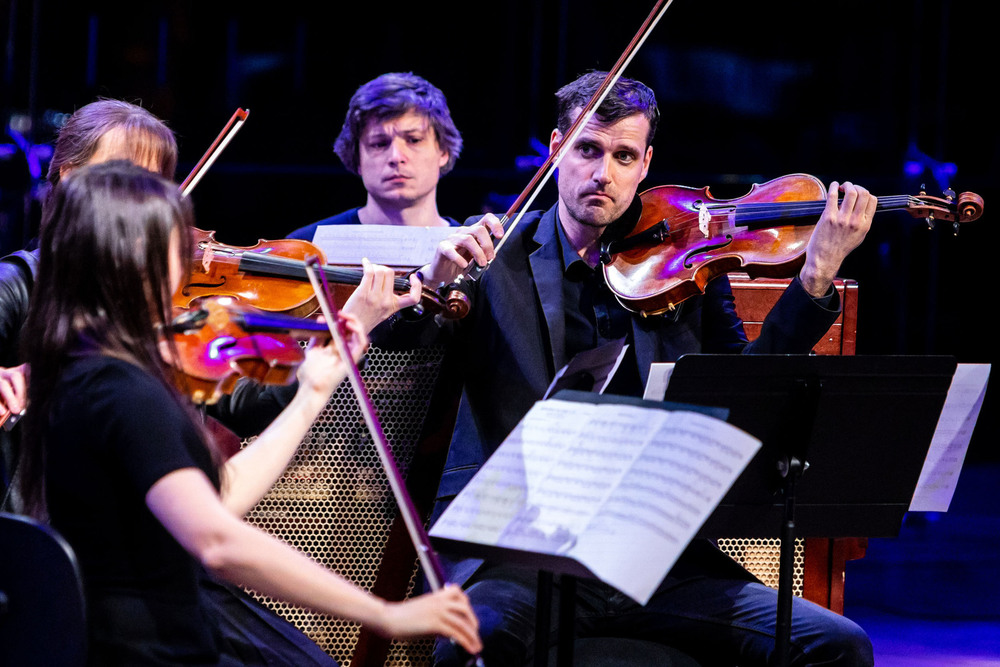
(471, 243)
(323, 369)
(14, 388)
(446, 612)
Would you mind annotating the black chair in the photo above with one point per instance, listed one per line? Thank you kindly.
(42, 611)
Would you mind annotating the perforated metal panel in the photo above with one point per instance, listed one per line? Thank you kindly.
(334, 502)
(761, 557)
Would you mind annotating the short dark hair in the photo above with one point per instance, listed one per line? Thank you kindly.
(390, 96)
(150, 140)
(627, 97)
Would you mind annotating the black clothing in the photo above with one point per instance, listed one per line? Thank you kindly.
(114, 432)
(17, 275)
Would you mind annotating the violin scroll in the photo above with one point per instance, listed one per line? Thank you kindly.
(965, 207)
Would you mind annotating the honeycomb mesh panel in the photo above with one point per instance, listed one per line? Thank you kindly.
(334, 502)
(762, 558)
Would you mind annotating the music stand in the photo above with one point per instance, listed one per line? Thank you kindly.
(844, 439)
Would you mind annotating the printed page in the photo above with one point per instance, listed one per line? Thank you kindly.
(621, 489)
(590, 370)
(946, 455)
(659, 378)
(390, 245)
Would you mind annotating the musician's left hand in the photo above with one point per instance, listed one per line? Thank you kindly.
(841, 228)
(374, 300)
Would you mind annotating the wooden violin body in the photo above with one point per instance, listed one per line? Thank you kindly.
(219, 341)
(220, 270)
(685, 237)
(271, 276)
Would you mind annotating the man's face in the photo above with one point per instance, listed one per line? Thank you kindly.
(400, 160)
(601, 171)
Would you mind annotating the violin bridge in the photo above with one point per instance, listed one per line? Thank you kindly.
(206, 258)
(704, 217)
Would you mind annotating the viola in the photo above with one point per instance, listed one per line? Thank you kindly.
(219, 341)
(271, 276)
(685, 237)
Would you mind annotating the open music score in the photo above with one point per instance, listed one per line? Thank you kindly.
(943, 464)
(613, 490)
(389, 245)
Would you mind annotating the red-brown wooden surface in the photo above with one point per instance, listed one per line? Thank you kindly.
(823, 577)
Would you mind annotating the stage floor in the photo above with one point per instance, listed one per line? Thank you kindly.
(932, 595)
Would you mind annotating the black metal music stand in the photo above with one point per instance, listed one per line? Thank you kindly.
(844, 440)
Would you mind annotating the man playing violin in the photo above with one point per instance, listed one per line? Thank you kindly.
(399, 137)
(542, 301)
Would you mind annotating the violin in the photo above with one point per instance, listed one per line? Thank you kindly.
(685, 237)
(219, 341)
(271, 276)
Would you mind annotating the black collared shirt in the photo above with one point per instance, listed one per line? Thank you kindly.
(592, 315)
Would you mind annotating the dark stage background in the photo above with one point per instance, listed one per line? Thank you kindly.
(891, 95)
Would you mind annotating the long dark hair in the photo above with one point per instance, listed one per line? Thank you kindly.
(103, 286)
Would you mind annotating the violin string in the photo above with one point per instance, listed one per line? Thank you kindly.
(750, 211)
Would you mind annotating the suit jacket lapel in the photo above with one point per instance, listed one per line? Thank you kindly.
(546, 269)
(645, 343)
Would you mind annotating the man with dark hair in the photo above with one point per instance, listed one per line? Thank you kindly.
(398, 136)
(542, 301)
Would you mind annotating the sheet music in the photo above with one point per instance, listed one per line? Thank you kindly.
(621, 489)
(659, 378)
(390, 245)
(946, 454)
(598, 366)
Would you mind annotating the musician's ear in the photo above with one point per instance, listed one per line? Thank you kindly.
(554, 140)
(645, 162)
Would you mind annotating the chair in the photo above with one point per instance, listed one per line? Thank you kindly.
(42, 611)
(334, 504)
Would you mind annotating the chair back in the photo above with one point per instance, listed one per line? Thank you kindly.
(42, 611)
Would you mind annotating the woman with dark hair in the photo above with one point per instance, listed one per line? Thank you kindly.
(118, 460)
(97, 132)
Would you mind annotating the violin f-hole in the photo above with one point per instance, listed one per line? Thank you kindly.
(706, 248)
(186, 290)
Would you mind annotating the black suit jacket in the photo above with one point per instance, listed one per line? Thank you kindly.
(513, 341)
